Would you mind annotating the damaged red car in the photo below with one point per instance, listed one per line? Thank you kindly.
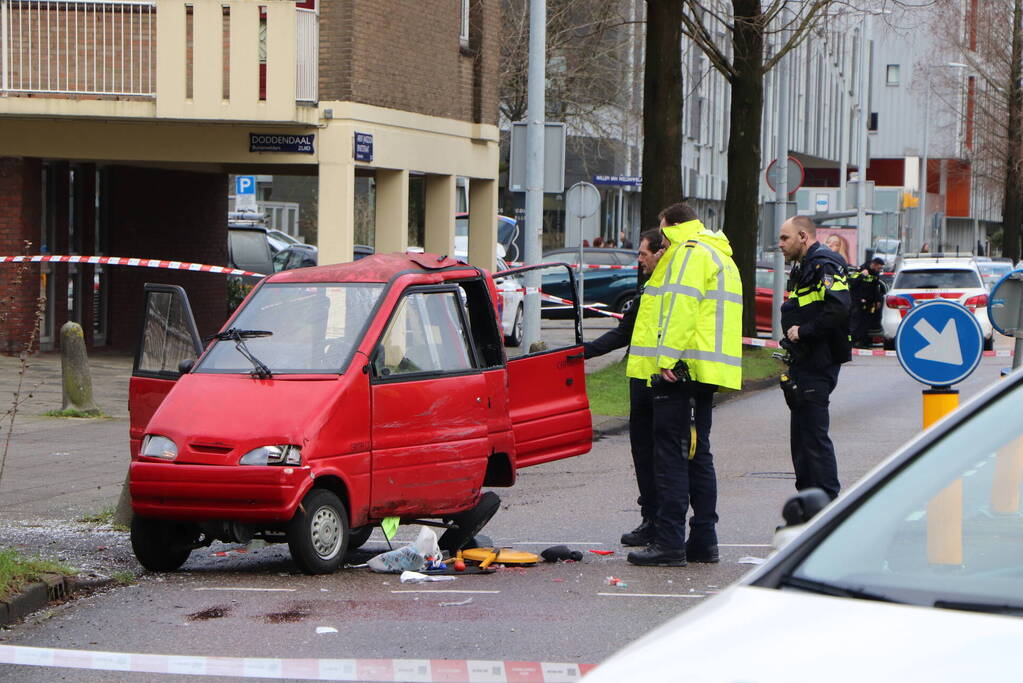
(333, 398)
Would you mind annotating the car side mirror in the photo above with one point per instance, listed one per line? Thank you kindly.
(801, 508)
(185, 366)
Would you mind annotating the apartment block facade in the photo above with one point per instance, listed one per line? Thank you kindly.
(120, 123)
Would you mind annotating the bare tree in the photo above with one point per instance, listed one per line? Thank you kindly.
(740, 57)
(587, 55)
(990, 40)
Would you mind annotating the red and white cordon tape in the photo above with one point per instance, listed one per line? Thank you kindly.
(124, 261)
(771, 344)
(590, 266)
(388, 670)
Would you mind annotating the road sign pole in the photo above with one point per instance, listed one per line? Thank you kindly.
(944, 511)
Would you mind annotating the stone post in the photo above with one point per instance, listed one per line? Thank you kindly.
(76, 380)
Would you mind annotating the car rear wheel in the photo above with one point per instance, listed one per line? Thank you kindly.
(515, 338)
(318, 533)
(162, 545)
(465, 525)
(624, 303)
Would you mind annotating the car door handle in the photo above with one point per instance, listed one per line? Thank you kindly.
(576, 356)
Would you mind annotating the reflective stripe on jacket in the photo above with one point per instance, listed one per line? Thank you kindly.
(691, 310)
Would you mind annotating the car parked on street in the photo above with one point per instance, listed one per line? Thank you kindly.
(610, 288)
(511, 291)
(914, 573)
(333, 398)
(764, 296)
(927, 277)
(992, 271)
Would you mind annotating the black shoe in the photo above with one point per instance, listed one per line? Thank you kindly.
(657, 556)
(706, 554)
(642, 535)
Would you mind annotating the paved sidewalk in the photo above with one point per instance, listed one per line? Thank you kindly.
(62, 468)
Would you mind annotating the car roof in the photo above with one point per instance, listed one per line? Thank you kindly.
(381, 268)
(945, 263)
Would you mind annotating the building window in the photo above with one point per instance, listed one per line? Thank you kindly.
(463, 31)
(892, 75)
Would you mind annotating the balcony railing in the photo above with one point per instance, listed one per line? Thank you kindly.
(220, 59)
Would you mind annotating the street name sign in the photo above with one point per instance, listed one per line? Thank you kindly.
(939, 343)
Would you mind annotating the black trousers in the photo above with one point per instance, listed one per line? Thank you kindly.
(678, 482)
(813, 454)
(859, 325)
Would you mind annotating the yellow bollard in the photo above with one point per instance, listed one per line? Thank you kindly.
(945, 510)
(1008, 478)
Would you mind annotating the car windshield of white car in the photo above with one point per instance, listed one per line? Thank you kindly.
(315, 328)
(945, 531)
(937, 279)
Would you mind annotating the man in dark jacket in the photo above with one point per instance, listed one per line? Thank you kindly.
(641, 431)
(866, 291)
(815, 324)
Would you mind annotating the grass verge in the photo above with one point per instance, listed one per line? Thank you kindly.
(17, 571)
(608, 388)
(71, 412)
(104, 517)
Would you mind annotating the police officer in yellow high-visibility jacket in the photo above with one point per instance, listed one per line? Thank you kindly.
(688, 339)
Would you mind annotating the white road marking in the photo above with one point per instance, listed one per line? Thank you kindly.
(652, 595)
(234, 588)
(745, 545)
(449, 591)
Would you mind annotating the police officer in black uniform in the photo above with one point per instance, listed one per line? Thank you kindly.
(866, 291)
(641, 428)
(815, 328)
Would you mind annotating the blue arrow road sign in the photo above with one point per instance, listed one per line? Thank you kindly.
(939, 343)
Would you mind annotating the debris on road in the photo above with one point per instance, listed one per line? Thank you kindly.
(456, 604)
(561, 553)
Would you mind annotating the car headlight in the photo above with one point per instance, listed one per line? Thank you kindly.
(155, 446)
(273, 455)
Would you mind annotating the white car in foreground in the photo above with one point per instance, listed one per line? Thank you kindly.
(919, 280)
(914, 574)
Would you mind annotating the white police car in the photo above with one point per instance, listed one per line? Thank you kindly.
(925, 278)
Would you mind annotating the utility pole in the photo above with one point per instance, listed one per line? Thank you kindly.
(863, 231)
(536, 118)
(781, 183)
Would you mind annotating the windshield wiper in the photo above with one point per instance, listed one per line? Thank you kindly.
(260, 369)
(986, 607)
(825, 588)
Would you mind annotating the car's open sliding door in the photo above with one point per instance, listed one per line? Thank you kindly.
(549, 411)
(169, 337)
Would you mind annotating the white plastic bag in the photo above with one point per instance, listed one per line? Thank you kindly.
(411, 557)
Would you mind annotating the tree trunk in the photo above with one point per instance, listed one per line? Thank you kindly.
(742, 200)
(662, 110)
(1012, 202)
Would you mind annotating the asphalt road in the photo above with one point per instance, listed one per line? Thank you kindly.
(256, 604)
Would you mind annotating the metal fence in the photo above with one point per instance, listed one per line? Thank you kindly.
(83, 47)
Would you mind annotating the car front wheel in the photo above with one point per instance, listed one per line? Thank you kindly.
(162, 545)
(318, 533)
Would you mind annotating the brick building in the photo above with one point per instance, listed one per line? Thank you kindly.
(121, 123)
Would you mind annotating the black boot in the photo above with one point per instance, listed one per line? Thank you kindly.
(641, 536)
(658, 556)
(703, 553)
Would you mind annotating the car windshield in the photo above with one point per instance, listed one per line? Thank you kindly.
(765, 278)
(945, 530)
(315, 328)
(937, 278)
(995, 268)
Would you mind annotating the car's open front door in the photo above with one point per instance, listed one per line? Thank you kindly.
(550, 413)
(168, 338)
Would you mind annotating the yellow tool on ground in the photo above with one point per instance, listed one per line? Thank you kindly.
(488, 556)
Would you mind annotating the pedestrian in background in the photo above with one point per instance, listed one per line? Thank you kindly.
(687, 342)
(867, 292)
(640, 401)
(815, 321)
